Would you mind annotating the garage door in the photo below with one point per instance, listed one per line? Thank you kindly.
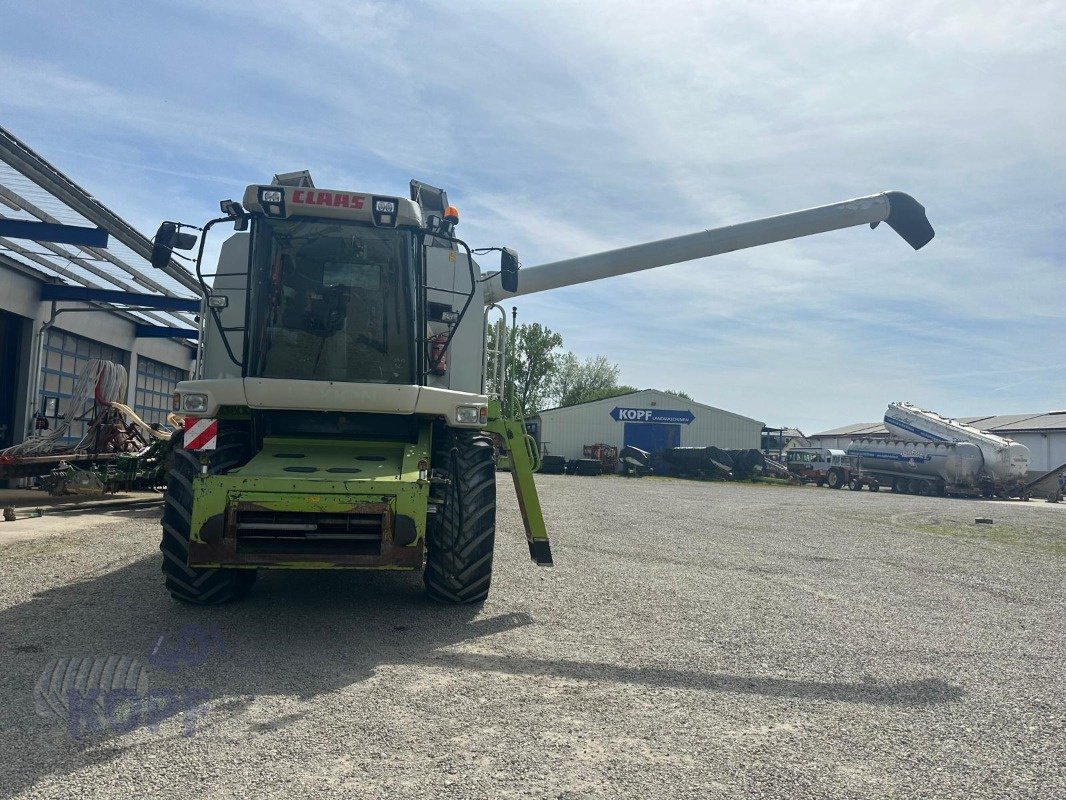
(155, 385)
(652, 436)
(65, 356)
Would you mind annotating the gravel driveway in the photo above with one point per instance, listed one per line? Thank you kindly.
(694, 640)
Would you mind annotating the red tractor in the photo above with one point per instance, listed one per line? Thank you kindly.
(825, 466)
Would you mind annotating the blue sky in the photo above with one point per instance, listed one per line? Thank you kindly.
(566, 128)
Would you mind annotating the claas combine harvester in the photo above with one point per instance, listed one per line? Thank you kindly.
(338, 417)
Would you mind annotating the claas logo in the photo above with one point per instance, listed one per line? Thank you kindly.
(309, 197)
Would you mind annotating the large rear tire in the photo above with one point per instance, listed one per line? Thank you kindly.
(835, 479)
(196, 585)
(460, 537)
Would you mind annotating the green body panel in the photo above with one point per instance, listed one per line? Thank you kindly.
(388, 472)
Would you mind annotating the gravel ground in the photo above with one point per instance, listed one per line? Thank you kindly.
(695, 640)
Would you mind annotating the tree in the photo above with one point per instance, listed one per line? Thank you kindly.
(682, 395)
(539, 375)
(533, 361)
(582, 381)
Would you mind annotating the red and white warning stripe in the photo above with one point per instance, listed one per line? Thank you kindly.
(201, 434)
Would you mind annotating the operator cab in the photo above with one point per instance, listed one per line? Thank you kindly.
(340, 287)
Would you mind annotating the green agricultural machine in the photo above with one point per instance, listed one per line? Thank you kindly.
(343, 397)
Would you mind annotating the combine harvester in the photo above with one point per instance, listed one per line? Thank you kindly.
(344, 392)
(936, 455)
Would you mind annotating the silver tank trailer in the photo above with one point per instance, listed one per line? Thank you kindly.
(1006, 461)
(955, 466)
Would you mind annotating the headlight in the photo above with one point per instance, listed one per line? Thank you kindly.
(194, 402)
(468, 415)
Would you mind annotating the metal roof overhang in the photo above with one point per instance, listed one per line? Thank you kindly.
(86, 252)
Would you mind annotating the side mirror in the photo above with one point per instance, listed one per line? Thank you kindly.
(168, 239)
(509, 270)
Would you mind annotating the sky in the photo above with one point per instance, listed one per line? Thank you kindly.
(562, 129)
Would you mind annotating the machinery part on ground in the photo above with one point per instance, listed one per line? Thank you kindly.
(1005, 462)
(699, 462)
(199, 585)
(66, 479)
(553, 465)
(584, 466)
(777, 469)
(1057, 476)
(747, 464)
(634, 461)
(461, 534)
(606, 454)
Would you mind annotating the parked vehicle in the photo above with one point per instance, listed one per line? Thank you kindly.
(926, 468)
(343, 387)
(822, 466)
(989, 465)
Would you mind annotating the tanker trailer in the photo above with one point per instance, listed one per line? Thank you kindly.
(1006, 462)
(925, 468)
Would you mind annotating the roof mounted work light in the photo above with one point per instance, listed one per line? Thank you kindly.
(272, 201)
(235, 211)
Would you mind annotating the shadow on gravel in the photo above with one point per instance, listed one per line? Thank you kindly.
(927, 692)
(296, 634)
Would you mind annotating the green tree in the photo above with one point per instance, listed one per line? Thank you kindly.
(582, 381)
(682, 395)
(533, 360)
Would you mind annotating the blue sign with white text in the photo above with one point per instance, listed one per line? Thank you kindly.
(652, 415)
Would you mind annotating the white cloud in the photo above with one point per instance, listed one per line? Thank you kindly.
(568, 128)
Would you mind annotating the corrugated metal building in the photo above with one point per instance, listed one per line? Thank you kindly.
(649, 419)
(840, 438)
(1043, 433)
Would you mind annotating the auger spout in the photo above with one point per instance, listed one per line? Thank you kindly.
(903, 213)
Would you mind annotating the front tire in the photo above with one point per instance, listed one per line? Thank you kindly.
(460, 537)
(199, 585)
